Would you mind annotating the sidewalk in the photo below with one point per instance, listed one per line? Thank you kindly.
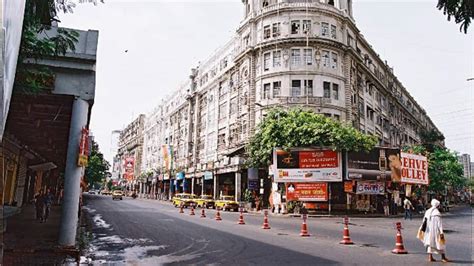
(29, 242)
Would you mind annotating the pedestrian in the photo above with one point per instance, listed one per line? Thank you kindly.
(39, 206)
(386, 208)
(47, 202)
(408, 207)
(433, 239)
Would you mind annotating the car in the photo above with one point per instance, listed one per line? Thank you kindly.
(227, 203)
(92, 192)
(184, 200)
(117, 194)
(205, 201)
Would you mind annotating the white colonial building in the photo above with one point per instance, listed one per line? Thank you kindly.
(285, 53)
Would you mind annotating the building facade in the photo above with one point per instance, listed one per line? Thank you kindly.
(285, 53)
(465, 161)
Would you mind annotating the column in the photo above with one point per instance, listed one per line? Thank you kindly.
(238, 185)
(72, 177)
(192, 185)
(215, 187)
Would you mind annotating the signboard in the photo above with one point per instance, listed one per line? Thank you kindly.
(414, 169)
(370, 188)
(307, 191)
(83, 156)
(253, 184)
(180, 176)
(129, 165)
(374, 165)
(348, 187)
(167, 151)
(307, 166)
(208, 175)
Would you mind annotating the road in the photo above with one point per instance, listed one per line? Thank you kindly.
(149, 232)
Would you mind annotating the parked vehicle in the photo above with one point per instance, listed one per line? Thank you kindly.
(205, 201)
(92, 192)
(227, 203)
(184, 199)
(106, 192)
(117, 194)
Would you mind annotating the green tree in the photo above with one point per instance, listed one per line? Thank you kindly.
(301, 128)
(97, 168)
(461, 10)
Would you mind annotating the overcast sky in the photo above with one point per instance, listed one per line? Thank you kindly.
(165, 39)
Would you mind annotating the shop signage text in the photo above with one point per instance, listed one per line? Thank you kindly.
(307, 191)
(370, 188)
(414, 169)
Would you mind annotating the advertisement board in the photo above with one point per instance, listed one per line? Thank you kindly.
(370, 188)
(167, 152)
(373, 165)
(307, 166)
(208, 175)
(307, 191)
(129, 165)
(414, 169)
(348, 187)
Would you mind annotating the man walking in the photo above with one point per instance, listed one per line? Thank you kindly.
(39, 202)
(434, 240)
(386, 208)
(408, 207)
(48, 201)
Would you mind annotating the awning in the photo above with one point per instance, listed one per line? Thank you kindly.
(236, 151)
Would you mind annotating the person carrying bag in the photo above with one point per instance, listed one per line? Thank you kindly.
(431, 232)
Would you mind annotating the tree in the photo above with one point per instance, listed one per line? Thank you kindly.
(97, 168)
(461, 10)
(431, 139)
(301, 128)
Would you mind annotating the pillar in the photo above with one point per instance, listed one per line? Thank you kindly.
(238, 185)
(215, 187)
(72, 178)
(192, 185)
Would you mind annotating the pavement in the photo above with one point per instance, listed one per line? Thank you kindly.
(150, 232)
(29, 242)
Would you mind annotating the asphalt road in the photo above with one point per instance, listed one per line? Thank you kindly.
(149, 232)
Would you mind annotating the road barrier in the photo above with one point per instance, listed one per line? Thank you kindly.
(304, 227)
(241, 217)
(399, 248)
(346, 239)
(192, 211)
(265, 221)
(218, 215)
(203, 213)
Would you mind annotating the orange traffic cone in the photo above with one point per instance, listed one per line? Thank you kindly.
(203, 213)
(399, 248)
(192, 211)
(181, 209)
(304, 228)
(346, 239)
(241, 218)
(218, 215)
(265, 221)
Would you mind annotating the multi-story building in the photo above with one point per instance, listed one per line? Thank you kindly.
(285, 53)
(465, 161)
(130, 149)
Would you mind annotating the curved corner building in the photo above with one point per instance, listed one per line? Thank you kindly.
(306, 53)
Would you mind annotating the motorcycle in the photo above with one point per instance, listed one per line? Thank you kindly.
(134, 196)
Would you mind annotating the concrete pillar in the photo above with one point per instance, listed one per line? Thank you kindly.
(215, 187)
(238, 185)
(72, 178)
(202, 185)
(192, 185)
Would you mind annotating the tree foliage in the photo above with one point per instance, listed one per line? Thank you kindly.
(301, 128)
(461, 10)
(97, 168)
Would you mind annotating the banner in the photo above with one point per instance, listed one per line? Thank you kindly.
(129, 165)
(348, 187)
(167, 151)
(307, 191)
(83, 157)
(307, 166)
(414, 169)
(373, 165)
(370, 188)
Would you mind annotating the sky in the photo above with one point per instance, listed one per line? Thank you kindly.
(147, 48)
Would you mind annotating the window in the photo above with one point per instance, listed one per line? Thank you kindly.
(333, 32)
(266, 61)
(265, 3)
(306, 26)
(308, 56)
(334, 61)
(350, 40)
(223, 110)
(325, 56)
(337, 117)
(295, 57)
(266, 91)
(276, 29)
(277, 59)
(327, 115)
(295, 88)
(327, 89)
(331, 2)
(325, 29)
(266, 32)
(233, 106)
(335, 91)
(308, 87)
(276, 88)
(295, 27)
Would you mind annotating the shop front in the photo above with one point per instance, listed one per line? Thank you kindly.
(208, 183)
(226, 184)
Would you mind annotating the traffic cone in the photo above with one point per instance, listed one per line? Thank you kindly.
(218, 215)
(265, 221)
(203, 213)
(241, 218)
(181, 209)
(192, 211)
(346, 239)
(399, 248)
(304, 228)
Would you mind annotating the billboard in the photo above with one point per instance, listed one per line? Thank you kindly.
(307, 166)
(379, 163)
(167, 151)
(307, 191)
(414, 169)
(129, 166)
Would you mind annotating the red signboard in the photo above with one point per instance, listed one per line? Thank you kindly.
(414, 169)
(307, 191)
(318, 159)
(83, 155)
(348, 187)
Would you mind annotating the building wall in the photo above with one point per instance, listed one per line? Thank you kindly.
(131, 144)
(293, 53)
(465, 161)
